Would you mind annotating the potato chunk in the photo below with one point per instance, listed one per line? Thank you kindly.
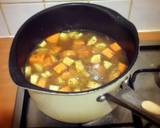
(100, 46)
(34, 78)
(93, 84)
(68, 61)
(92, 41)
(43, 44)
(79, 66)
(95, 59)
(73, 82)
(28, 71)
(60, 68)
(54, 87)
(107, 64)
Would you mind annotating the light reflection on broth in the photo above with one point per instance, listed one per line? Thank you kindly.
(74, 61)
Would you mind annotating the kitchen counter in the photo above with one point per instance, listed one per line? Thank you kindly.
(8, 88)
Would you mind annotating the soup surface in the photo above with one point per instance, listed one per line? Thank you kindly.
(73, 61)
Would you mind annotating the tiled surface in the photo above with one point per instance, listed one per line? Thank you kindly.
(3, 27)
(145, 14)
(17, 14)
(121, 6)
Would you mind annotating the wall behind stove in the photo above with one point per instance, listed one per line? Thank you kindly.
(145, 14)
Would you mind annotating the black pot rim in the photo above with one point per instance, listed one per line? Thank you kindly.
(16, 74)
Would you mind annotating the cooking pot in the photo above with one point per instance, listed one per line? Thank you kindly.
(72, 107)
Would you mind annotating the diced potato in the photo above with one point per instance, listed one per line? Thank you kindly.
(42, 82)
(79, 66)
(38, 67)
(68, 53)
(85, 73)
(78, 35)
(93, 84)
(72, 34)
(28, 71)
(64, 36)
(121, 67)
(115, 47)
(92, 41)
(60, 68)
(77, 89)
(60, 81)
(100, 46)
(107, 64)
(54, 87)
(108, 53)
(95, 59)
(43, 44)
(68, 61)
(46, 74)
(53, 39)
(65, 89)
(34, 78)
(73, 82)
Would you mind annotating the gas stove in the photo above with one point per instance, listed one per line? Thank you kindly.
(146, 83)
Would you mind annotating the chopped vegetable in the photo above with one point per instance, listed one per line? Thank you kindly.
(55, 50)
(68, 61)
(54, 87)
(115, 47)
(100, 46)
(93, 84)
(85, 73)
(69, 53)
(43, 44)
(77, 90)
(63, 36)
(95, 59)
(107, 64)
(108, 53)
(114, 74)
(66, 75)
(78, 44)
(73, 82)
(54, 59)
(78, 35)
(38, 67)
(53, 39)
(46, 74)
(48, 62)
(75, 35)
(34, 78)
(60, 81)
(121, 67)
(92, 41)
(65, 89)
(60, 68)
(79, 66)
(36, 58)
(42, 82)
(28, 71)
(84, 53)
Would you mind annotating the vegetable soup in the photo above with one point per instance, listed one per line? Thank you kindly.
(73, 61)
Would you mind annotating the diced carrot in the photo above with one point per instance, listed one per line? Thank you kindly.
(53, 38)
(42, 82)
(115, 47)
(108, 53)
(78, 44)
(37, 58)
(68, 53)
(47, 62)
(121, 67)
(84, 53)
(66, 75)
(60, 68)
(65, 89)
(56, 49)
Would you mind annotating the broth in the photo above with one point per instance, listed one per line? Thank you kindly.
(73, 61)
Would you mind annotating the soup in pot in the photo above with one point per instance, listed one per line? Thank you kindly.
(74, 61)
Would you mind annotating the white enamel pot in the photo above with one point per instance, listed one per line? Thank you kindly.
(75, 107)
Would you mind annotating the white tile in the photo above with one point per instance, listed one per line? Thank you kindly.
(121, 6)
(145, 14)
(17, 14)
(49, 4)
(19, 1)
(3, 27)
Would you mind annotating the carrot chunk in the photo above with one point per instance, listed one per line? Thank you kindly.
(65, 89)
(60, 68)
(115, 47)
(84, 53)
(108, 53)
(55, 49)
(53, 38)
(36, 58)
(78, 44)
(42, 82)
(121, 67)
(66, 75)
(47, 62)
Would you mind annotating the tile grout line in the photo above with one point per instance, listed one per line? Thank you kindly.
(4, 17)
(130, 9)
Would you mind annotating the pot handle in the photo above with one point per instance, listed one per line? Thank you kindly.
(130, 100)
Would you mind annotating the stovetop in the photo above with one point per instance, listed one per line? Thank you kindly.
(27, 115)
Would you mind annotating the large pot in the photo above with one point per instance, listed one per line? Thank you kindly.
(75, 107)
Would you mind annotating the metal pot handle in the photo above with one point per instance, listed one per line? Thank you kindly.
(130, 100)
